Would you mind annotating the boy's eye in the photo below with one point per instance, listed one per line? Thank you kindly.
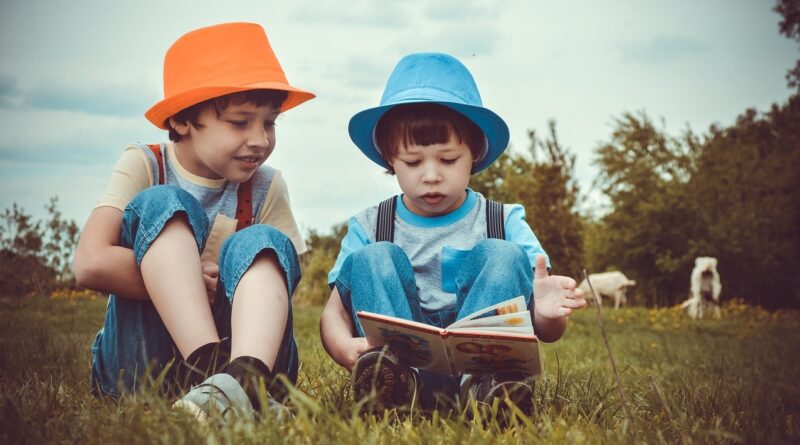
(412, 163)
(449, 161)
(238, 124)
(269, 124)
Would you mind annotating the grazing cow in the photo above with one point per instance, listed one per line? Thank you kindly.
(704, 288)
(610, 285)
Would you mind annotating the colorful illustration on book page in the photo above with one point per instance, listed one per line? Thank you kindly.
(412, 350)
(488, 357)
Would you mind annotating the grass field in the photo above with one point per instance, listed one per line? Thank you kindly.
(733, 380)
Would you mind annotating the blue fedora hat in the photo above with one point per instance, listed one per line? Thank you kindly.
(431, 78)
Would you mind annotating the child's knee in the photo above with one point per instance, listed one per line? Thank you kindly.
(377, 255)
(155, 208)
(258, 243)
(498, 251)
(161, 203)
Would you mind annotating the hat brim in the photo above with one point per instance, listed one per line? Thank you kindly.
(362, 127)
(163, 110)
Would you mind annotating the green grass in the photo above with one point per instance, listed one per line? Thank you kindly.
(711, 381)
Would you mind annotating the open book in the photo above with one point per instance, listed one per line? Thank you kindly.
(496, 338)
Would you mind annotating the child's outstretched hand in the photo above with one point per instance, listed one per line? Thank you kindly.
(555, 296)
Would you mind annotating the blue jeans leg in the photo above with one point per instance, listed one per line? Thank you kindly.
(493, 271)
(237, 255)
(379, 278)
(134, 347)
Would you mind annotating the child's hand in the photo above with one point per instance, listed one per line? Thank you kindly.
(555, 296)
(210, 275)
(349, 351)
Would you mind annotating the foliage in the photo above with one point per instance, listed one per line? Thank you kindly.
(544, 185)
(316, 263)
(748, 203)
(790, 27)
(678, 390)
(733, 195)
(642, 171)
(35, 257)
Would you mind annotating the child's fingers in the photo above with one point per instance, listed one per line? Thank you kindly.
(540, 271)
(210, 269)
(574, 303)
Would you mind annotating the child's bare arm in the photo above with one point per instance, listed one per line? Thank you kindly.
(101, 264)
(337, 334)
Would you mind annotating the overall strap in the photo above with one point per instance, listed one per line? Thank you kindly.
(162, 173)
(384, 230)
(495, 221)
(244, 195)
(244, 205)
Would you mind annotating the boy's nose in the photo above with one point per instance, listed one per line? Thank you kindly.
(258, 137)
(431, 175)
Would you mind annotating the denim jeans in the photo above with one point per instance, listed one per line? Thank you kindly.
(134, 347)
(379, 278)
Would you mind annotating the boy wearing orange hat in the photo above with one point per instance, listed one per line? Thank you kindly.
(195, 240)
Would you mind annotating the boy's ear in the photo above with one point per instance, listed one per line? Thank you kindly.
(182, 128)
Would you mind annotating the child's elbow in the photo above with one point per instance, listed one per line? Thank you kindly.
(85, 269)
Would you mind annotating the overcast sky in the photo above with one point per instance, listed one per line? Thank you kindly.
(77, 76)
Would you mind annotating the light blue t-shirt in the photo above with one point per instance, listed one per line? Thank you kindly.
(437, 245)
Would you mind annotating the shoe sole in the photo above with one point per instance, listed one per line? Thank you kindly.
(378, 377)
(383, 377)
(193, 409)
(519, 393)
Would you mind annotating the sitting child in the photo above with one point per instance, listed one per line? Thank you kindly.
(195, 239)
(439, 251)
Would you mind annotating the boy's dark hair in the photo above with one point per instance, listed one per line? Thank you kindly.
(425, 124)
(258, 98)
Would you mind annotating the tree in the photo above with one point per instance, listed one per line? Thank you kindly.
(316, 264)
(22, 270)
(749, 202)
(35, 256)
(648, 231)
(542, 182)
(790, 27)
(60, 240)
(733, 194)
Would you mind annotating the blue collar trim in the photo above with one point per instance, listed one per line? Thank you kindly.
(437, 221)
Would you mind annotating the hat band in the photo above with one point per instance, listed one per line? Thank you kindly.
(429, 94)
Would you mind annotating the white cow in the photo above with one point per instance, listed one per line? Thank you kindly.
(608, 284)
(704, 288)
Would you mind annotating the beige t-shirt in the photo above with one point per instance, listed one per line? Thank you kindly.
(133, 173)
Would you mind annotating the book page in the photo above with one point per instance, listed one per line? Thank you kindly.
(516, 304)
(476, 353)
(417, 344)
(516, 322)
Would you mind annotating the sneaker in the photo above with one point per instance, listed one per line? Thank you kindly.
(381, 382)
(219, 395)
(517, 387)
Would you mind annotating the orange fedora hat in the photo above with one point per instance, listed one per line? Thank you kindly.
(218, 60)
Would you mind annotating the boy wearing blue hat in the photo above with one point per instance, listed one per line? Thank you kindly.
(439, 251)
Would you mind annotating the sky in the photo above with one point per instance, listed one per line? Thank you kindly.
(77, 76)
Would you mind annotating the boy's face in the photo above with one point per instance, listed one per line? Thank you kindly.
(231, 146)
(433, 177)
